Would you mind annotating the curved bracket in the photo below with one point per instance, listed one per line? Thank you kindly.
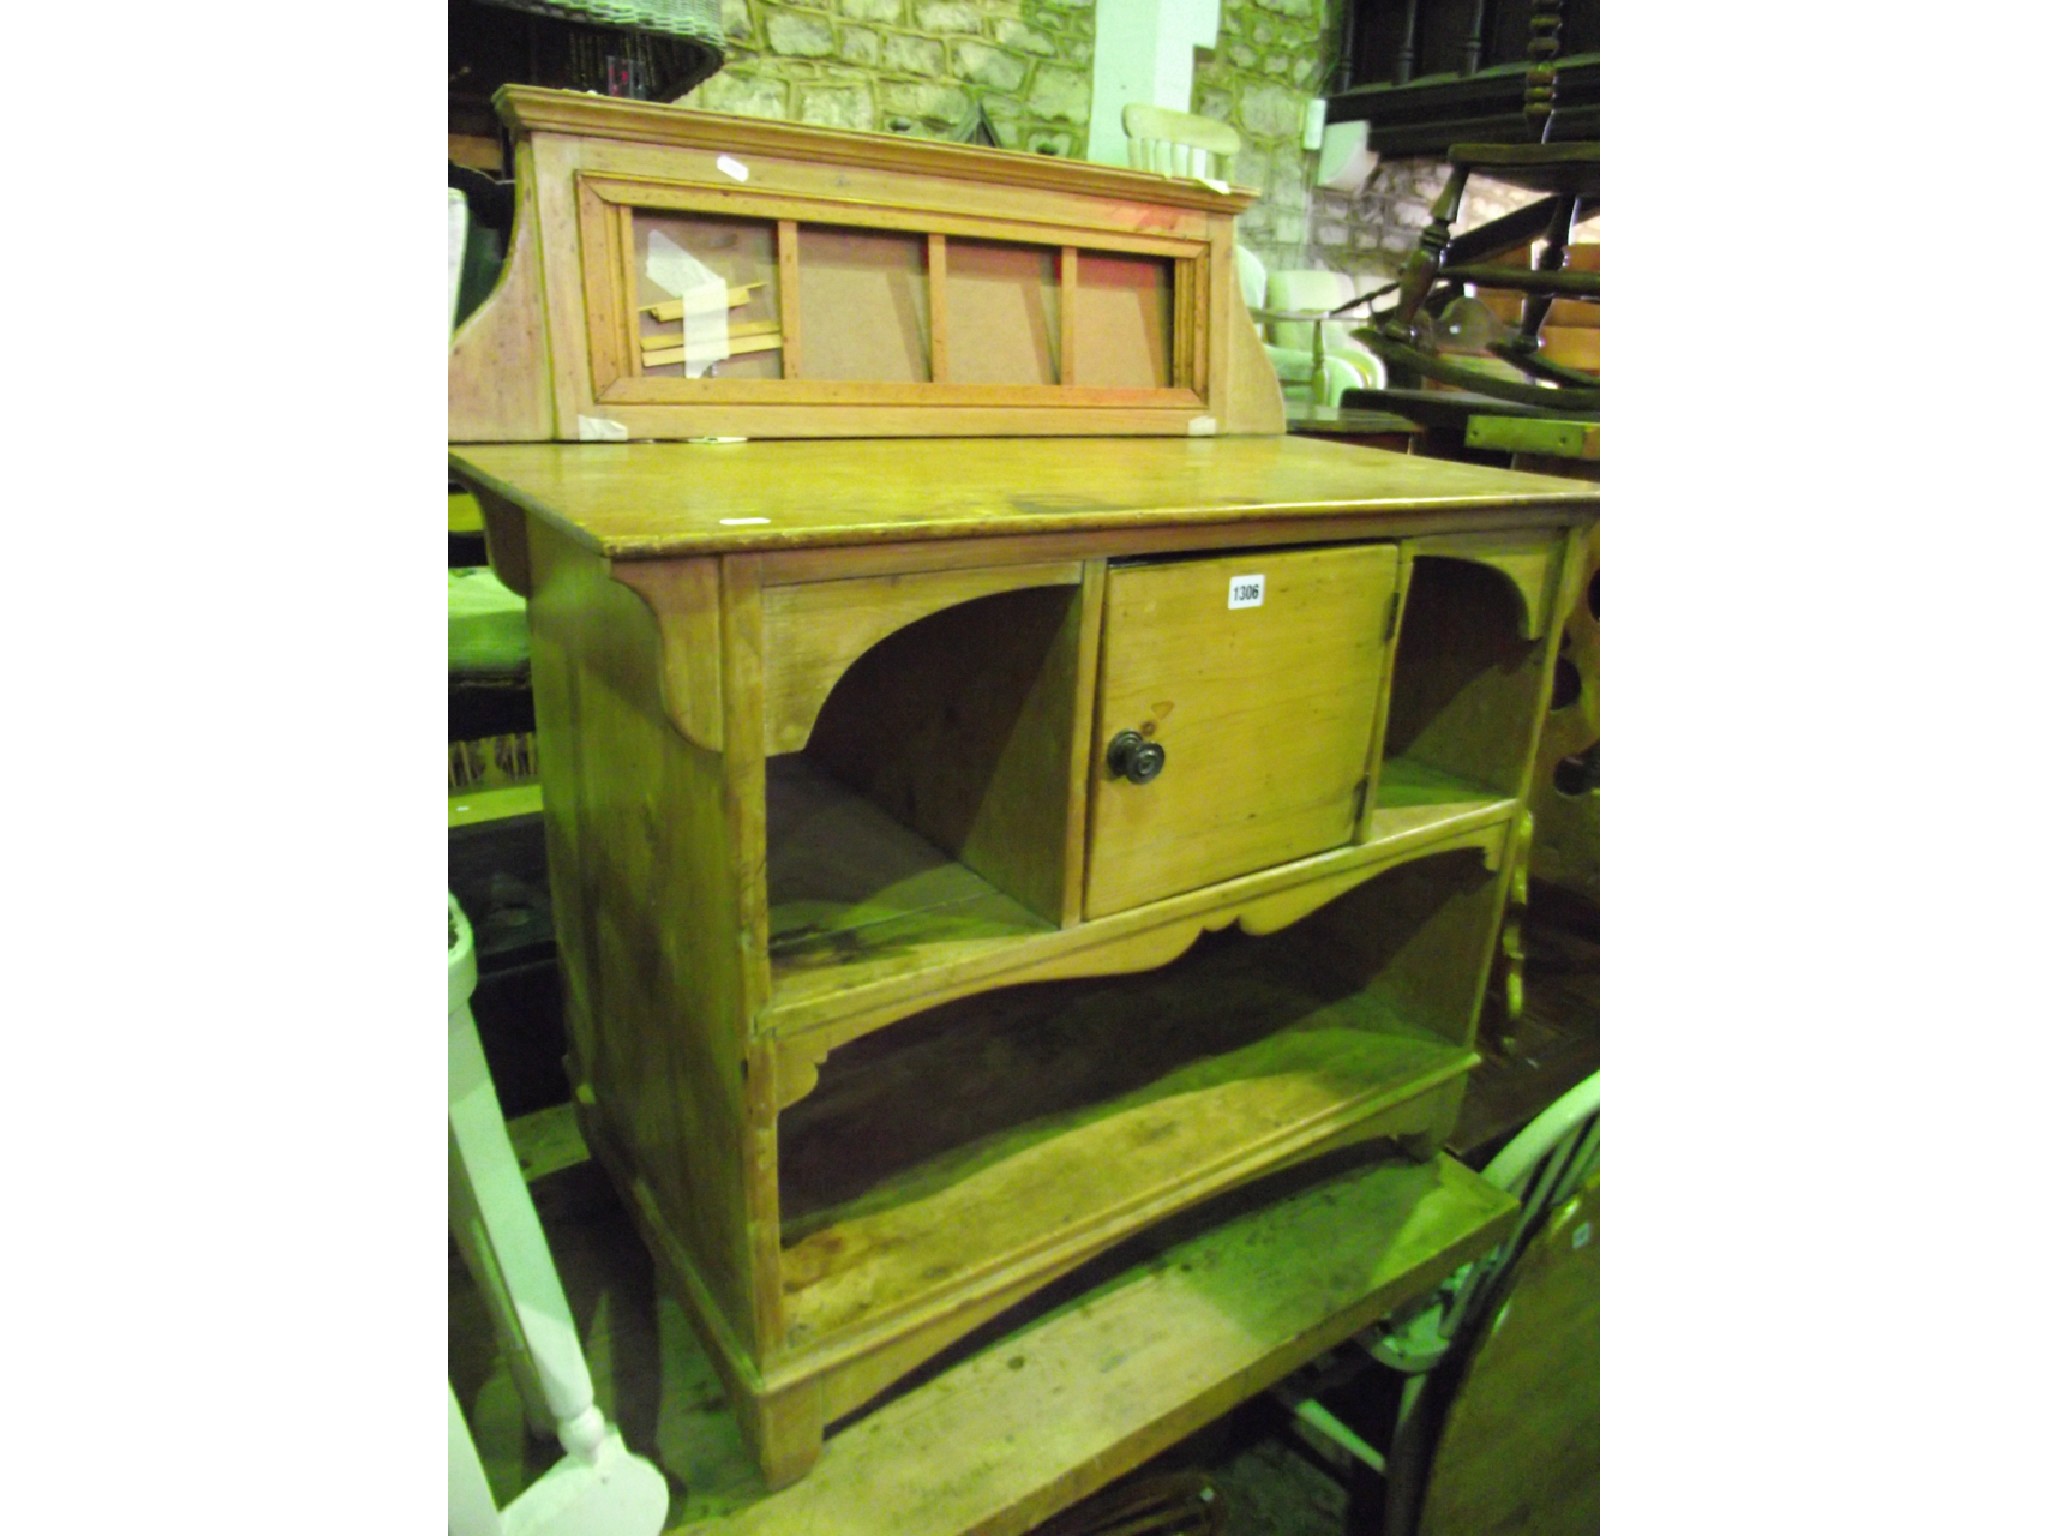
(1529, 566)
(505, 539)
(683, 597)
(812, 633)
(796, 1068)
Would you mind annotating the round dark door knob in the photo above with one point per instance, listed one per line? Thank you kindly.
(1132, 757)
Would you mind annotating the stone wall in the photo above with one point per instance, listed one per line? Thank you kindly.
(920, 67)
(1270, 61)
(931, 67)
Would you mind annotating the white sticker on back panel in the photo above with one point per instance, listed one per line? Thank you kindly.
(1247, 591)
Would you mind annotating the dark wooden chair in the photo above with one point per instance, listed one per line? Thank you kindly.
(1440, 268)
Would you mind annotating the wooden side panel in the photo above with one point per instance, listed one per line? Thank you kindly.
(646, 903)
(1265, 710)
(498, 363)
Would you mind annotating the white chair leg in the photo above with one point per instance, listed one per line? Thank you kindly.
(465, 1221)
(471, 1509)
(505, 1232)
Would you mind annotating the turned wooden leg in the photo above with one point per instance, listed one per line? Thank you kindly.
(783, 1431)
(1504, 993)
(1419, 271)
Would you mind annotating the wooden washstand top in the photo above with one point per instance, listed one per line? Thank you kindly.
(633, 501)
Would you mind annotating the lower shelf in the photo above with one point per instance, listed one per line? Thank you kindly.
(1163, 1347)
(1001, 1134)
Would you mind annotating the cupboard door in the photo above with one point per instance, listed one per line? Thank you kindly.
(1257, 675)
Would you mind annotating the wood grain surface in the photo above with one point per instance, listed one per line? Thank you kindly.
(637, 500)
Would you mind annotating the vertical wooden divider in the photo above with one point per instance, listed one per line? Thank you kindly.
(1182, 311)
(935, 283)
(785, 281)
(629, 286)
(1070, 294)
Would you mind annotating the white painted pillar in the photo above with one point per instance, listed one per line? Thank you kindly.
(1144, 52)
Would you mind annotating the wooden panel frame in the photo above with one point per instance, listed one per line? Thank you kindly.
(585, 161)
(605, 206)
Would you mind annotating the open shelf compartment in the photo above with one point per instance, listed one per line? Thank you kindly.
(930, 798)
(1468, 687)
(1004, 1134)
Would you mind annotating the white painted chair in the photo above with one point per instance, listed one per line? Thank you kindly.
(1300, 298)
(1179, 143)
(1308, 371)
(599, 1488)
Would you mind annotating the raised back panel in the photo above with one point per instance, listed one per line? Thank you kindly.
(880, 287)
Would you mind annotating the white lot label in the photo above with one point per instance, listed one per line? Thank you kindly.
(1247, 591)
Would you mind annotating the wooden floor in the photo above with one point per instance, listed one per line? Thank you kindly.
(654, 1381)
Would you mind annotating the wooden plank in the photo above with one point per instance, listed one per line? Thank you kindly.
(1006, 1438)
(1535, 434)
(1082, 745)
(736, 346)
(1264, 699)
(656, 339)
(737, 295)
(636, 500)
(605, 233)
(786, 257)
